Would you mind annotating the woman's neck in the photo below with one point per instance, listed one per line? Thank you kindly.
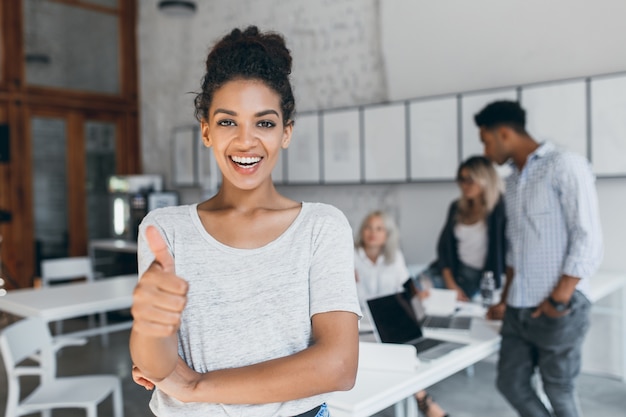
(373, 252)
(473, 211)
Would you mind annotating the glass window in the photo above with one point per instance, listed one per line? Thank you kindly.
(71, 47)
(50, 187)
(100, 157)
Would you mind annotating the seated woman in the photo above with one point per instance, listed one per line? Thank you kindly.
(472, 240)
(380, 269)
(379, 263)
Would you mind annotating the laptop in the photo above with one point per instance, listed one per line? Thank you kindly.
(394, 321)
(437, 310)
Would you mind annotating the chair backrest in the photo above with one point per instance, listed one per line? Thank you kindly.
(19, 341)
(61, 269)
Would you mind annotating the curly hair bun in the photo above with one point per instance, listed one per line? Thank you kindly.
(248, 54)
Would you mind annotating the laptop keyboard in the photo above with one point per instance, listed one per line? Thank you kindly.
(437, 321)
(446, 322)
(425, 344)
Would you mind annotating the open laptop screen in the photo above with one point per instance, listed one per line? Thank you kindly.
(394, 318)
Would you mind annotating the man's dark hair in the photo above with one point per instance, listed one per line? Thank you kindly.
(502, 113)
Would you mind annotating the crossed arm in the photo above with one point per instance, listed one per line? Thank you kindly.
(329, 364)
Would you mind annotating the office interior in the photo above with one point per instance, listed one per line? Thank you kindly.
(113, 100)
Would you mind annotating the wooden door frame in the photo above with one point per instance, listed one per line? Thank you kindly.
(18, 102)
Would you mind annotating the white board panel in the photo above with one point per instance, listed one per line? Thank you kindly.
(385, 143)
(303, 160)
(434, 138)
(341, 145)
(209, 174)
(608, 125)
(470, 105)
(557, 113)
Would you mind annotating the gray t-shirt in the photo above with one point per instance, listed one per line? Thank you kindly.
(247, 306)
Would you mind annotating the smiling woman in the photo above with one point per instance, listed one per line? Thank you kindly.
(247, 303)
(247, 131)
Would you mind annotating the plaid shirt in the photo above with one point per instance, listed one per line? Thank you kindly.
(553, 224)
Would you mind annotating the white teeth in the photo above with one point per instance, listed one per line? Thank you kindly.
(245, 160)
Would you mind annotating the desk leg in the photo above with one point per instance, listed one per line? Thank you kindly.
(411, 407)
(104, 337)
(406, 407)
(400, 409)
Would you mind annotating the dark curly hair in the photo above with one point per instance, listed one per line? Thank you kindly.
(502, 112)
(249, 55)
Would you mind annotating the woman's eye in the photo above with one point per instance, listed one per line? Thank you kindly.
(266, 124)
(226, 122)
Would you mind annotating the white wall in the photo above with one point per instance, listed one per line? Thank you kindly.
(428, 48)
(335, 47)
(435, 47)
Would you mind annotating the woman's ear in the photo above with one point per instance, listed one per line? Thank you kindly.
(206, 137)
(287, 131)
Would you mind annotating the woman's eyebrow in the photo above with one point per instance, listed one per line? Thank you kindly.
(229, 112)
(266, 112)
(233, 113)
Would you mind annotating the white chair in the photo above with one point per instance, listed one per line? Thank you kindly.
(64, 269)
(29, 337)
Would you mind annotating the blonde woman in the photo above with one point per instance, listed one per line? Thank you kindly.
(472, 240)
(379, 263)
(380, 270)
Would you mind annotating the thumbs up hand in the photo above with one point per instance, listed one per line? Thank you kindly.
(160, 295)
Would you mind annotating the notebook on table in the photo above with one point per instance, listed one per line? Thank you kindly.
(437, 310)
(394, 321)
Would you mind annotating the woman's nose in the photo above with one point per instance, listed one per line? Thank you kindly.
(246, 136)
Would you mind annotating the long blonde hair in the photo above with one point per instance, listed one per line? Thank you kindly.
(392, 243)
(482, 172)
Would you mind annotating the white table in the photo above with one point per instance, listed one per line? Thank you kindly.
(603, 284)
(394, 382)
(66, 301)
(391, 378)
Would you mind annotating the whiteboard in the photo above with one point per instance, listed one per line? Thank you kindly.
(608, 125)
(385, 143)
(303, 160)
(209, 174)
(184, 147)
(557, 113)
(433, 126)
(470, 105)
(341, 144)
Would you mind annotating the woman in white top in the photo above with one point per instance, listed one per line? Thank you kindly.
(472, 240)
(379, 264)
(380, 270)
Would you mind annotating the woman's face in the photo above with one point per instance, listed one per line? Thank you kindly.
(469, 188)
(245, 127)
(374, 233)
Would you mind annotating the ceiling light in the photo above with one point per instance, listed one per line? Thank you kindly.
(178, 7)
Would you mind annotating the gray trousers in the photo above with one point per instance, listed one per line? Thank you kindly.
(551, 345)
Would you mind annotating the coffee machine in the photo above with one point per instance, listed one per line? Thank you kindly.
(131, 197)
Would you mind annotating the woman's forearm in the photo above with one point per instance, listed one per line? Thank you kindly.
(448, 278)
(155, 357)
(330, 364)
